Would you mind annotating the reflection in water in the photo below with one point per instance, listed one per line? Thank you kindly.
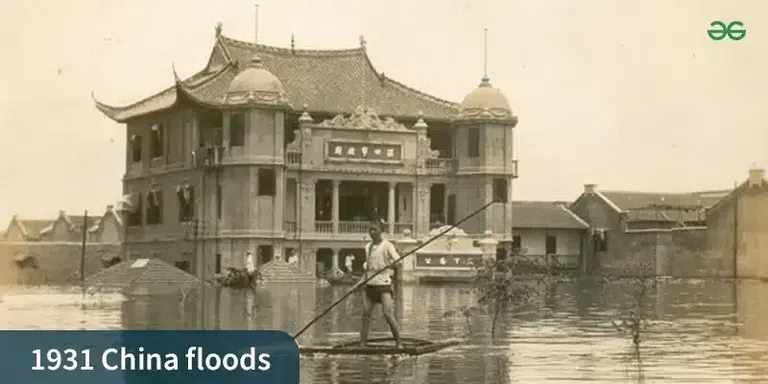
(704, 331)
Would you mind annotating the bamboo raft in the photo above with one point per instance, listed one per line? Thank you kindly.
(381, 346)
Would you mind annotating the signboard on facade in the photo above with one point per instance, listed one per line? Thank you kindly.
(363, 151)
(449, 261)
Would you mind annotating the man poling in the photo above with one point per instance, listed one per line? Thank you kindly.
(380, 254)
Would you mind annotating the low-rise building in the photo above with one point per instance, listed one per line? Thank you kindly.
(737, 227)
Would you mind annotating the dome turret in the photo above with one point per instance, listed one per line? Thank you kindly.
(257, 84)
(485, 102)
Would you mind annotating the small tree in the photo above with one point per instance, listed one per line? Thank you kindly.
(504, 285)
(635, 320)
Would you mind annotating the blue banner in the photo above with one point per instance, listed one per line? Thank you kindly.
(147, 357)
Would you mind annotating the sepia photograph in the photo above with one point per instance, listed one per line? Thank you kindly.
(351, 192)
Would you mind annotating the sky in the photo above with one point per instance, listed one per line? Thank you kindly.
(630, 94)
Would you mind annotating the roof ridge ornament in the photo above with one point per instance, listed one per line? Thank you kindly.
(218, 28)
(363, 42)
(364, 119)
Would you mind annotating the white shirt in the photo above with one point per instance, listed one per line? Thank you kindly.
(250, 264)
(348, 261)
(378, 257)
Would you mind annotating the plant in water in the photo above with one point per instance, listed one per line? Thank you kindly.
(504, 285)
(636, 319)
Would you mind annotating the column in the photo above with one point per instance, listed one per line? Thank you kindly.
(391, 208)
(422, 205)
(297, 206)
(278, 225)
(335, 260)
(307, 204)
(335, 210)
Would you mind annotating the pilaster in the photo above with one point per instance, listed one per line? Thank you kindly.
(307, 204)
(390, 208)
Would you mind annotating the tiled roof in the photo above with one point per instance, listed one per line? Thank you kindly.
(33, 227)
(279, 270)
(137, 273)
(545, 214)
(648, 206)
(327, 81)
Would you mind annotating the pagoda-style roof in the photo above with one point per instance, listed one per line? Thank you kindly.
(326, 81)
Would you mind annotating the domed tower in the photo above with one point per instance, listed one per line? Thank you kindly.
(485, 165)
(252, 181)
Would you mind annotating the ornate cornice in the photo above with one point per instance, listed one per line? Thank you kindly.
(364, 119)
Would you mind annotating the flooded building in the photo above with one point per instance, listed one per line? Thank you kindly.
(292, 153)
(627, 229)
(737, 227)
(549, 234)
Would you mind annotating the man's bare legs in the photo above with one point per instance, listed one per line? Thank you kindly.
(388, 309)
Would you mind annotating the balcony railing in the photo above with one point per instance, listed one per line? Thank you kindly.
(289, 226)
(293, 158)
(347, 227)
(400, 227)
(324, 226)
(440, 165)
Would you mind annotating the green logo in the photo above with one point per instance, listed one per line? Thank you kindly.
(719, 30)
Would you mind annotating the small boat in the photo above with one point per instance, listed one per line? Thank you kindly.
(381, 346)
(345, 279)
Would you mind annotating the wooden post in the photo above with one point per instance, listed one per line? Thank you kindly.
(82, 251)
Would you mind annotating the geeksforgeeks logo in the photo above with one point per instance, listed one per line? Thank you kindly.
(734, 30)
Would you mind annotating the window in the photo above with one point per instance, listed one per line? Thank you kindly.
(473, 142)
(155, 207)
(186, 196)
(156, 141)
(183, 265)
(237, 130)
(218, 263)
(267, 182)
(500, 193)
(218, 201)
(135, 145)
(551, 246)
(135, 216)
(517, 244)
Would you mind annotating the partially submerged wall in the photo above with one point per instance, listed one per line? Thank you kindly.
(57, 263)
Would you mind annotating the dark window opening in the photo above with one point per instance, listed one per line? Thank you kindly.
(217, 267)
(266, 254)
(551, 245)
(218, 201)
(267, 182)
(155, 207)
(156, 141)
(517, 244)
(601, 241)
(183, 265)
(135, 216)
(186, 196)
(237, 130)
(135, 149)
(500, 192)
(451, 214)
(473, 142)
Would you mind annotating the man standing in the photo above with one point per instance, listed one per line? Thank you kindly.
(380, 254)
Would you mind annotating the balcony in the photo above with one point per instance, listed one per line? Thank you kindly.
(345, 227)
(293, 159)
(440, 166)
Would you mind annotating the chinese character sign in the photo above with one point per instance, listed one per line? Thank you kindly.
(449, 260)
(364, 151)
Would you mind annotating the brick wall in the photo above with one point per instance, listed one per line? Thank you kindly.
(681, 252)
(58, 263)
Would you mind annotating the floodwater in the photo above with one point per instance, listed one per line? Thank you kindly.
(701, 332)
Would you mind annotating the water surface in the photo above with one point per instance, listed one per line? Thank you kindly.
(703, 331)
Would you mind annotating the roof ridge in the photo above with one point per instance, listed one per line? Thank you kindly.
(291, 51)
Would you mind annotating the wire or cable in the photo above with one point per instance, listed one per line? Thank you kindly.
(422, 245)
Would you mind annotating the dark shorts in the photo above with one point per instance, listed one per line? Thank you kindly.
(374, 292)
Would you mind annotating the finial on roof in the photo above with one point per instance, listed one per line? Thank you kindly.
(362, 42)
(420, 123)
(219, 25)
(485, 54)
(305, 118)
(293, 44)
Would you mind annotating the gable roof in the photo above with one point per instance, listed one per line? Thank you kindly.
(545, 214)
(653, 206)
(326, 81)
(31, 229)
(140, 272)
